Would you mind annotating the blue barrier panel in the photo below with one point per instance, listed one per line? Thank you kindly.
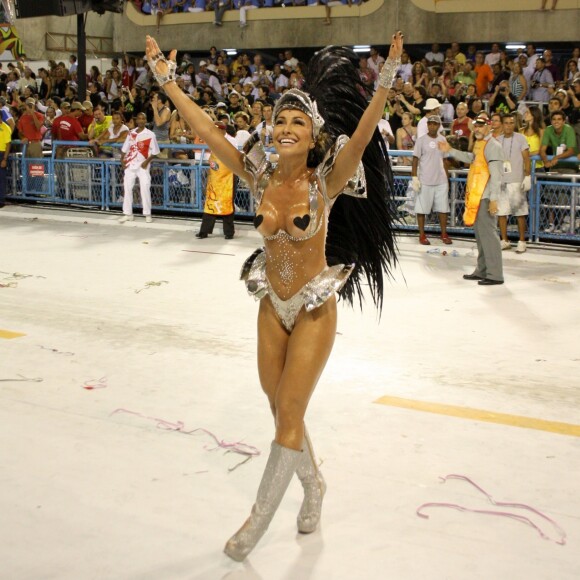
(178, 185)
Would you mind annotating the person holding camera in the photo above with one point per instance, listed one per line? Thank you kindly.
(542, 82)
(502, 100)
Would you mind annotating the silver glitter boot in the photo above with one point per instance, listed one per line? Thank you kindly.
(314, 489)
(279, 471)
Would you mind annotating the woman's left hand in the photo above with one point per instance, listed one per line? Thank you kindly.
(396, 49)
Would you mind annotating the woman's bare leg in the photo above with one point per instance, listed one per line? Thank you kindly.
(272, 345)
(308, 349)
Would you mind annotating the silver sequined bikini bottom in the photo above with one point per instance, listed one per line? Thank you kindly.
(312, 295)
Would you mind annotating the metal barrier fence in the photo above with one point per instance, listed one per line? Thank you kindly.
(178, 185)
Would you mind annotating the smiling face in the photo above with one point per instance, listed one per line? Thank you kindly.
(293, 133)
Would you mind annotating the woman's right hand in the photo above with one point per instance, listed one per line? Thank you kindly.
(151, 51)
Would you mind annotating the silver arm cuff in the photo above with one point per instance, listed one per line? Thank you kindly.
(171, 68)
(388, 72)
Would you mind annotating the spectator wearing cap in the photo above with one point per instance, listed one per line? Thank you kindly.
(29, 129)
(235, 103)
(430, 179)
(87, 117)
(213, 80)
(201, 75)
(5, 142)
(481, 204)
(67, 127)
(219, 195)
(431, 107)
(247, 94)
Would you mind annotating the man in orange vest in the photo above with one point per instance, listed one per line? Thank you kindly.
(482, 193)
(219, 195)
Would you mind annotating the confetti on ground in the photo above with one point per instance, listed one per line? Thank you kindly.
(514, 516)
(22, 379)
(150, 284)
(95, 384)
(11, 279)
(213, 253)
(238, 447)
(55, 350)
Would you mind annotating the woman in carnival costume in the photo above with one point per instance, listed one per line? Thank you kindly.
(328, 144)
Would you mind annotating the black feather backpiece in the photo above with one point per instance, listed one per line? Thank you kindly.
(359, 230)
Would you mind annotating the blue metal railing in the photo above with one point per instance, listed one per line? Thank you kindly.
(178, 185)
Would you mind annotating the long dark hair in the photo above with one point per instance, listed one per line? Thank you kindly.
(537, 120)
(359, 230)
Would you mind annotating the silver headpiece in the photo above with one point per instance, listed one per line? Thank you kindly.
(299, 100)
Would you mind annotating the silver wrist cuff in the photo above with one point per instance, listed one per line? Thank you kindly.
(162, 79)
(388, 72)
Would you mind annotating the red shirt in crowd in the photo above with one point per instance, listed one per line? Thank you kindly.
(27, 129)
(85, 120)
(66, 128)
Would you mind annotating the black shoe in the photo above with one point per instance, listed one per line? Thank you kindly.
(201, 236)
(229, 237)
(472, 277)
(488, 282)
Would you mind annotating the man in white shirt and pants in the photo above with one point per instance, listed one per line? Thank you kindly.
(138, 151)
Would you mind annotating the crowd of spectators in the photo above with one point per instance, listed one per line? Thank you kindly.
(241, 90)
(160, 8)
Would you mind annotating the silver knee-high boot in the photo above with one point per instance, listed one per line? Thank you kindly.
(314, 489)
(280, 468)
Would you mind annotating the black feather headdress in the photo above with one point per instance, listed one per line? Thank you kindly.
(359, 230)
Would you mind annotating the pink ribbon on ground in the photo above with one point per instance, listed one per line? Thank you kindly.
(238, 447)
(517, 517)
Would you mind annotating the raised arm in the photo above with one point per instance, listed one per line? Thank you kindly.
(351, 154)
(195, 117)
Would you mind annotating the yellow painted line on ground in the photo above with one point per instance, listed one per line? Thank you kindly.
(482, 415)
(10, 334)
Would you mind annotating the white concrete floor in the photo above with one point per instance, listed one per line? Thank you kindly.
(87, 494)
